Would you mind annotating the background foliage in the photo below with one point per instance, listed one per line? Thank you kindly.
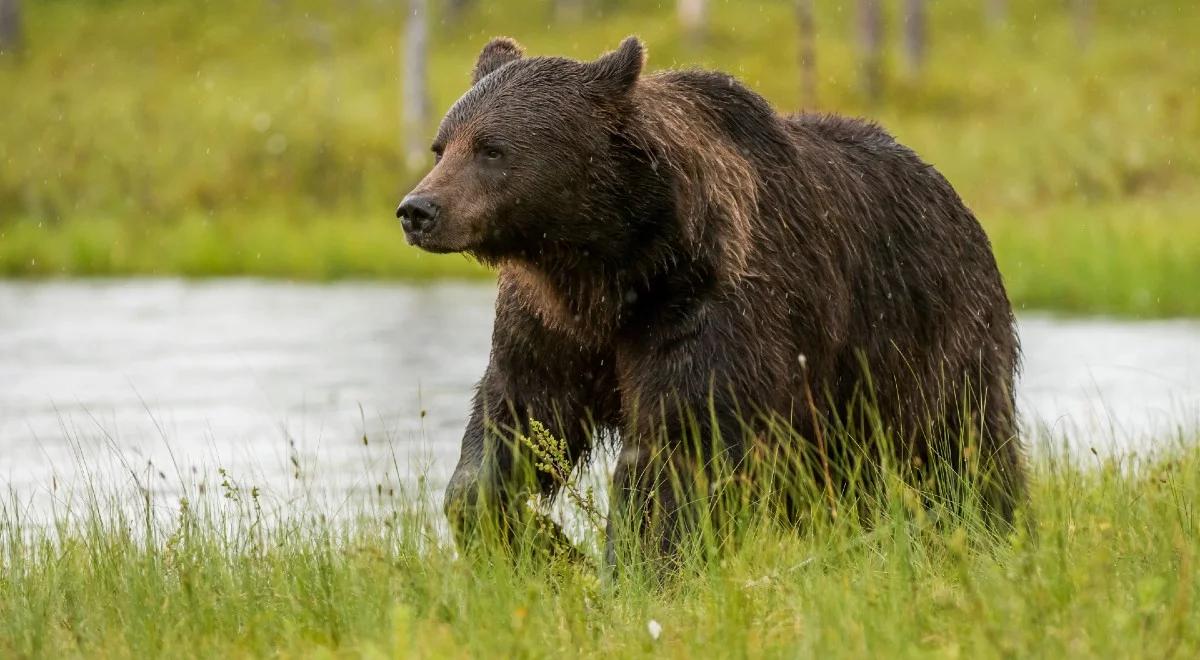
(263, 137)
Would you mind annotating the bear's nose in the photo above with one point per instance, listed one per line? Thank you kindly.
(417, 213)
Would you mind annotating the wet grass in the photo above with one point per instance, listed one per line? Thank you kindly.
(263, 138)
(1111, 574)
(263, 246)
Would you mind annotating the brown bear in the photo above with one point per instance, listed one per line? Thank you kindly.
(678, 260)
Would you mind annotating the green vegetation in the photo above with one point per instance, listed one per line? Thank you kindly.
(1111, 574)
(263, 138)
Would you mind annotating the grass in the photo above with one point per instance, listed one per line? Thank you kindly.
(1111, 574)
(203, 247)
(1126, 257)
(262, 138)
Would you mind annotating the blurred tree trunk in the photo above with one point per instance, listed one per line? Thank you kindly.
(1081, 11)
(693, 16)
(414, 98)
(996, 13)
(808, 53)
(915, 36)
(10, 26)
(870, 40)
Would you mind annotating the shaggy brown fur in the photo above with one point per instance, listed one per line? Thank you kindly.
(669, 242)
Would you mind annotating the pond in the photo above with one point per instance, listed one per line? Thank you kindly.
(278, 383)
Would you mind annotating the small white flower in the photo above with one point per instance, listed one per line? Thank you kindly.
(654, 628)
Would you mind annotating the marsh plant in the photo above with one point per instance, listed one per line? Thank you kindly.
(1109, 570)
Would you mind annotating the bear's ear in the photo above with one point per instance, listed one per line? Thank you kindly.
(621, 68)
(495, 54)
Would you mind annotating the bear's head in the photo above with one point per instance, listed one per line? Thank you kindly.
(530, 158)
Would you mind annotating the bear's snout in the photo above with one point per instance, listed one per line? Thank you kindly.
(418, 214)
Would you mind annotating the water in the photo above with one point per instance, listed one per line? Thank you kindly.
(269, 380)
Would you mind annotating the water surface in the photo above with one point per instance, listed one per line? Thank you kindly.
(100, 378)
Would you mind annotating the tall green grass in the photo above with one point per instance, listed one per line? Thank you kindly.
(263, 137)
(1111, 573)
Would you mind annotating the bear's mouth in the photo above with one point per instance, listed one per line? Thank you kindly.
(438, 242)
(428, 243)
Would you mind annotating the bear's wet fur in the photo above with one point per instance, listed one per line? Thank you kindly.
(677, 258)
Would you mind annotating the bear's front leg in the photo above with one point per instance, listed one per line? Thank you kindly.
(534, 374)
(487, 500)
(655, 507)
(685, 426)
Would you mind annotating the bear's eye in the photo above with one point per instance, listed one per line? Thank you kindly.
(492, 153)
(437, 153)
